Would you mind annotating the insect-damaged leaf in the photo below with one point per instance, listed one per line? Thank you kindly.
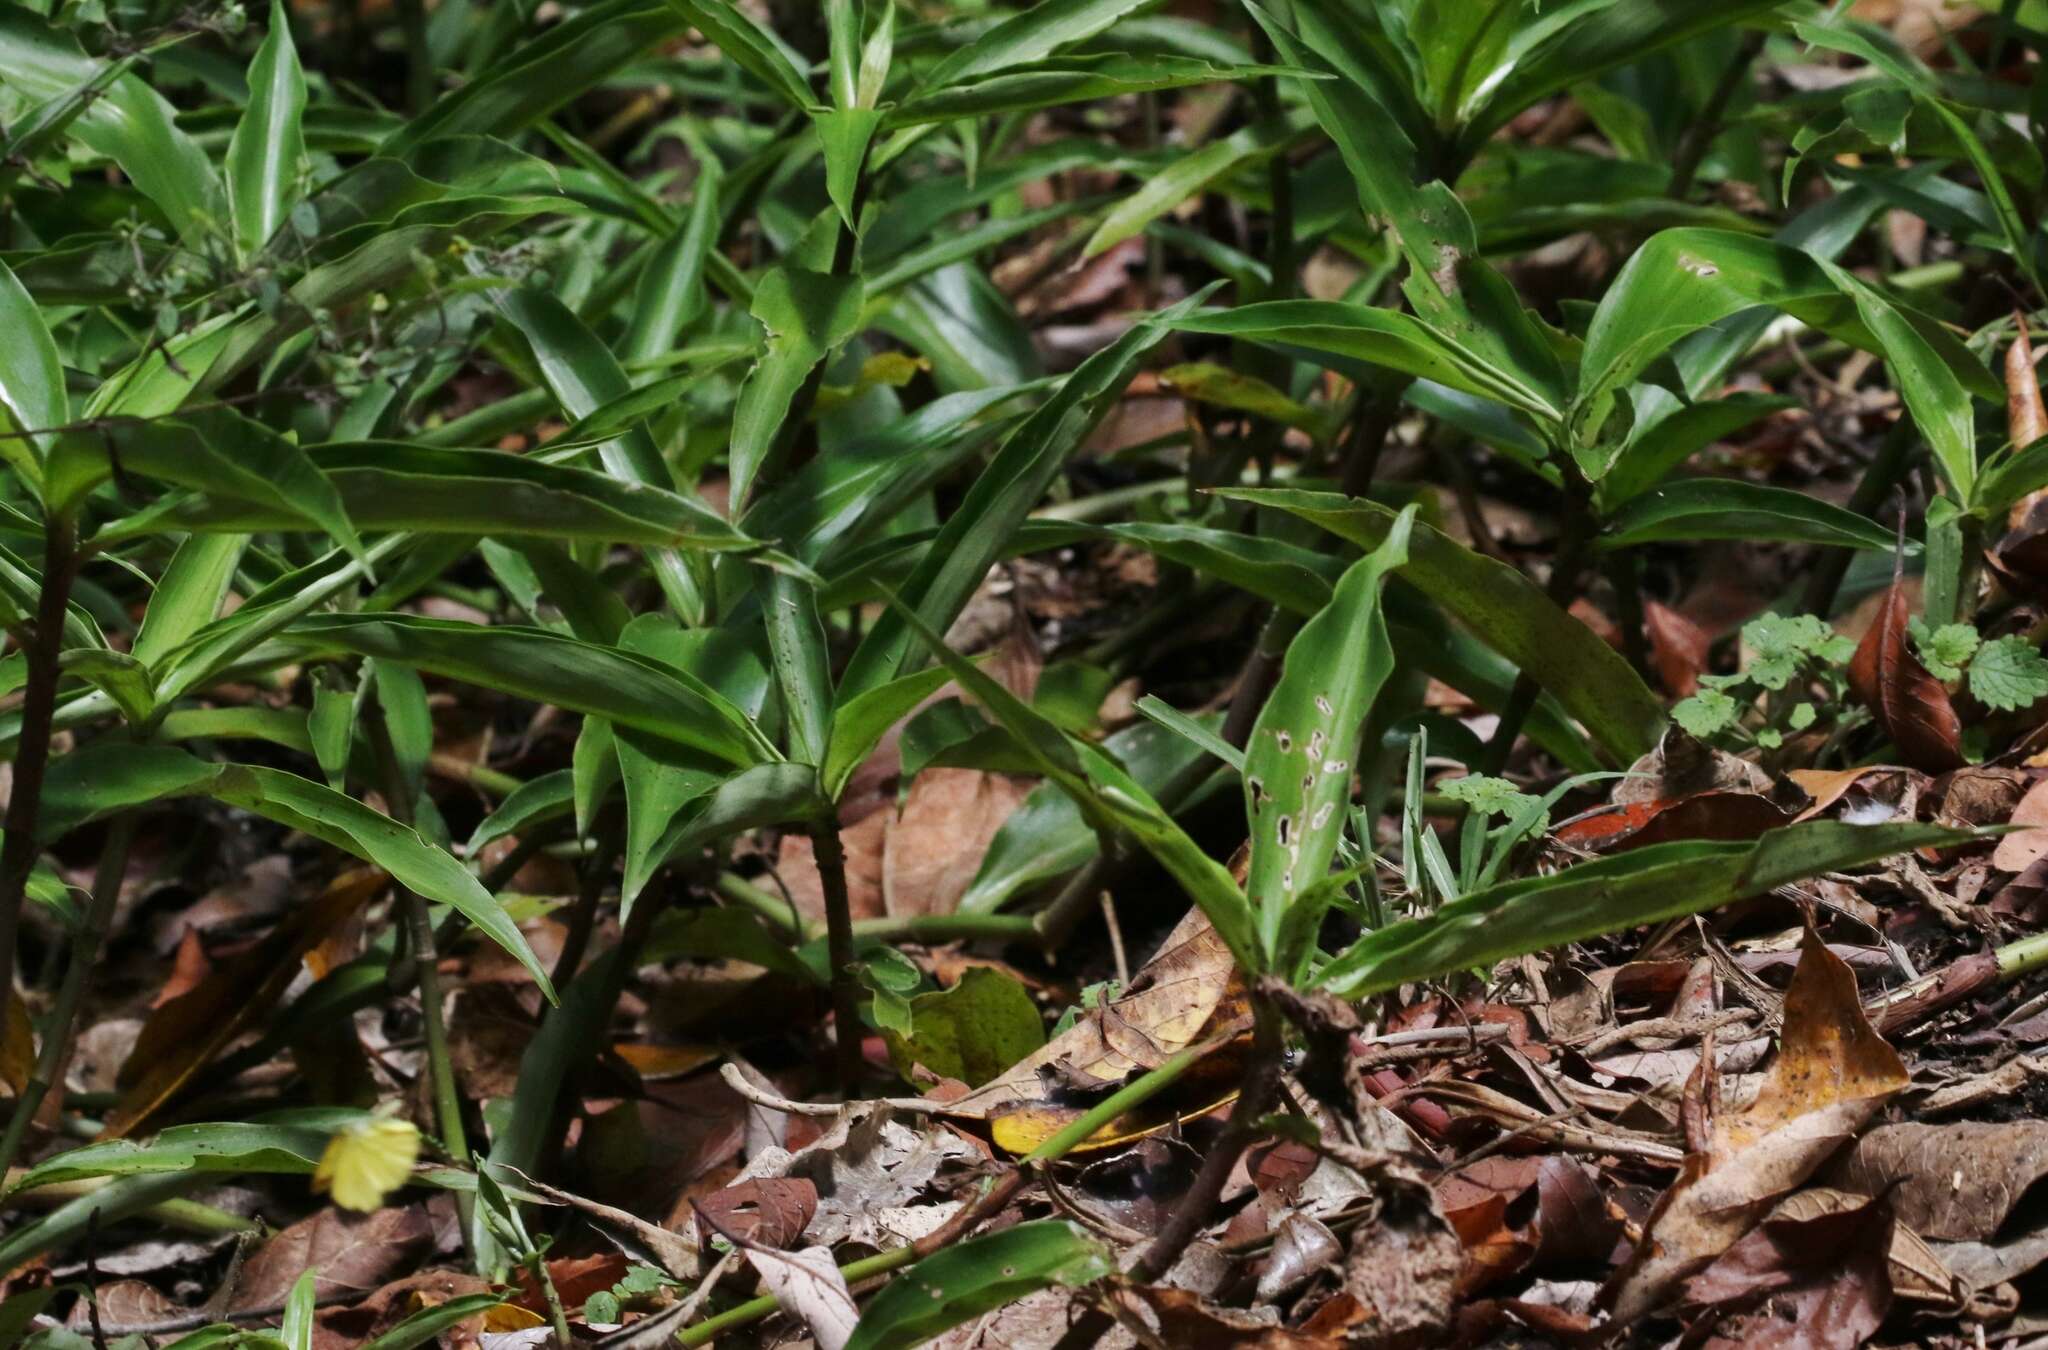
(1298, 762)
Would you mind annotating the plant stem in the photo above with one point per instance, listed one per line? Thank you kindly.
(419, 70)
(1699, 135)
(1194, 1210)
(32, 750)
(419, 926)
(754, 1310)
(538, 1263)
(85, 950)
(839, 951)
(1624, 570)
(770, 906)
(597, 869)
(1121, 1102)
(1565, 573)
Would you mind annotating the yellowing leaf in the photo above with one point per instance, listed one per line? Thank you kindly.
(366, 1162)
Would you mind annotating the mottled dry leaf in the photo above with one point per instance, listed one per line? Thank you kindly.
(1172, 1000)
(354, 1253)
(1917, 1271)
(934, 848)
(768, 1211)
(1832, 1074)
(1909, 705)
(1956, 1181)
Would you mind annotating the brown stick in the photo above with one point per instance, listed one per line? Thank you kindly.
(831, 860)
(32, 751)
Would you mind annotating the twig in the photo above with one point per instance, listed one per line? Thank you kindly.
(737, 1081)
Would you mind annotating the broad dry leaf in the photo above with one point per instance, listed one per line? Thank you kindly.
(2026, 420)
(1823, 1281)
(2017, 852)
(1832, 1074)
(879, 1182)
(1957, 1181)
(1678, 648)
(934, 847)
(354, 1253)
(1908, 703)
(810, 1288)
(184, 1035)
(1173, 999)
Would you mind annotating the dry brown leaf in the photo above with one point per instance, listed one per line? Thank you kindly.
(17, 1044)
(766, 1211)
(1908, 704)
(1183, 1317)
(1832, 1074)
(1917, 1272)
(1172, 1000)
(1957, 1181)
(1829, 786)
(810, 1288)
(935, 846)
(2017, 852)
(1825, 1280)
(2026, 420)
(184, 1035)
(354, 1253)
(1678, 648)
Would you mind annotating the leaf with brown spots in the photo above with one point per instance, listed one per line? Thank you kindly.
(1832, 1074)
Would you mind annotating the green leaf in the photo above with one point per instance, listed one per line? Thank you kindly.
(221, 453)
(1725, 508)
(977, 1276)
(583, 375)
(1646, 885)
(747, 44)
(393, 485)
(807, 315)
(1945, 650)
(1507, 611)
(126, 120)
(31, 380)
(1375, 337)
(1070, 79)
(532, 803)
(1932, 391)
(291, 1142)
(671, 287)
(532, 81)
(973, 1031)
(429, 1322)
(1189, 174)
(532, 663)
(844, 133)
(1707, 713)
(296, 1329)
(860, 722)
(1047, 837)
(120, 676)
(1032, 35)
(2009, 673)
(1298, 761)
(189, 594)
(269, 145)
(1108, 797)
(1000, 500)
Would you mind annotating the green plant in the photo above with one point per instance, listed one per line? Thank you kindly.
(731, 288)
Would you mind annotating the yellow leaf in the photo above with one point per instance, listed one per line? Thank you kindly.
(364, 1163)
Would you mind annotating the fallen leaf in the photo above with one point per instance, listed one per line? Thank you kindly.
(1182, 1317)
(797, 867)
(2026, 421)
(1678, 648)
(810, 1288)
(767, 1211)
(1908, 704)
(874, 1177)
(2018, 851)
(354, 1253)
(935, 845)
(17, 1045)
(1832, 1074)
(970, 1033)
(1823, 1280)
(1916, 1270)
(1957, 1181)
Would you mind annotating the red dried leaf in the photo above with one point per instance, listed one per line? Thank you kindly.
(1678, 648)
(1910, 705)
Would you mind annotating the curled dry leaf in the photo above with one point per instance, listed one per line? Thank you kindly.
(2026, 420)
(1908, 703)
(1832, 1074)
(2019, 851)
(810, 1288)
